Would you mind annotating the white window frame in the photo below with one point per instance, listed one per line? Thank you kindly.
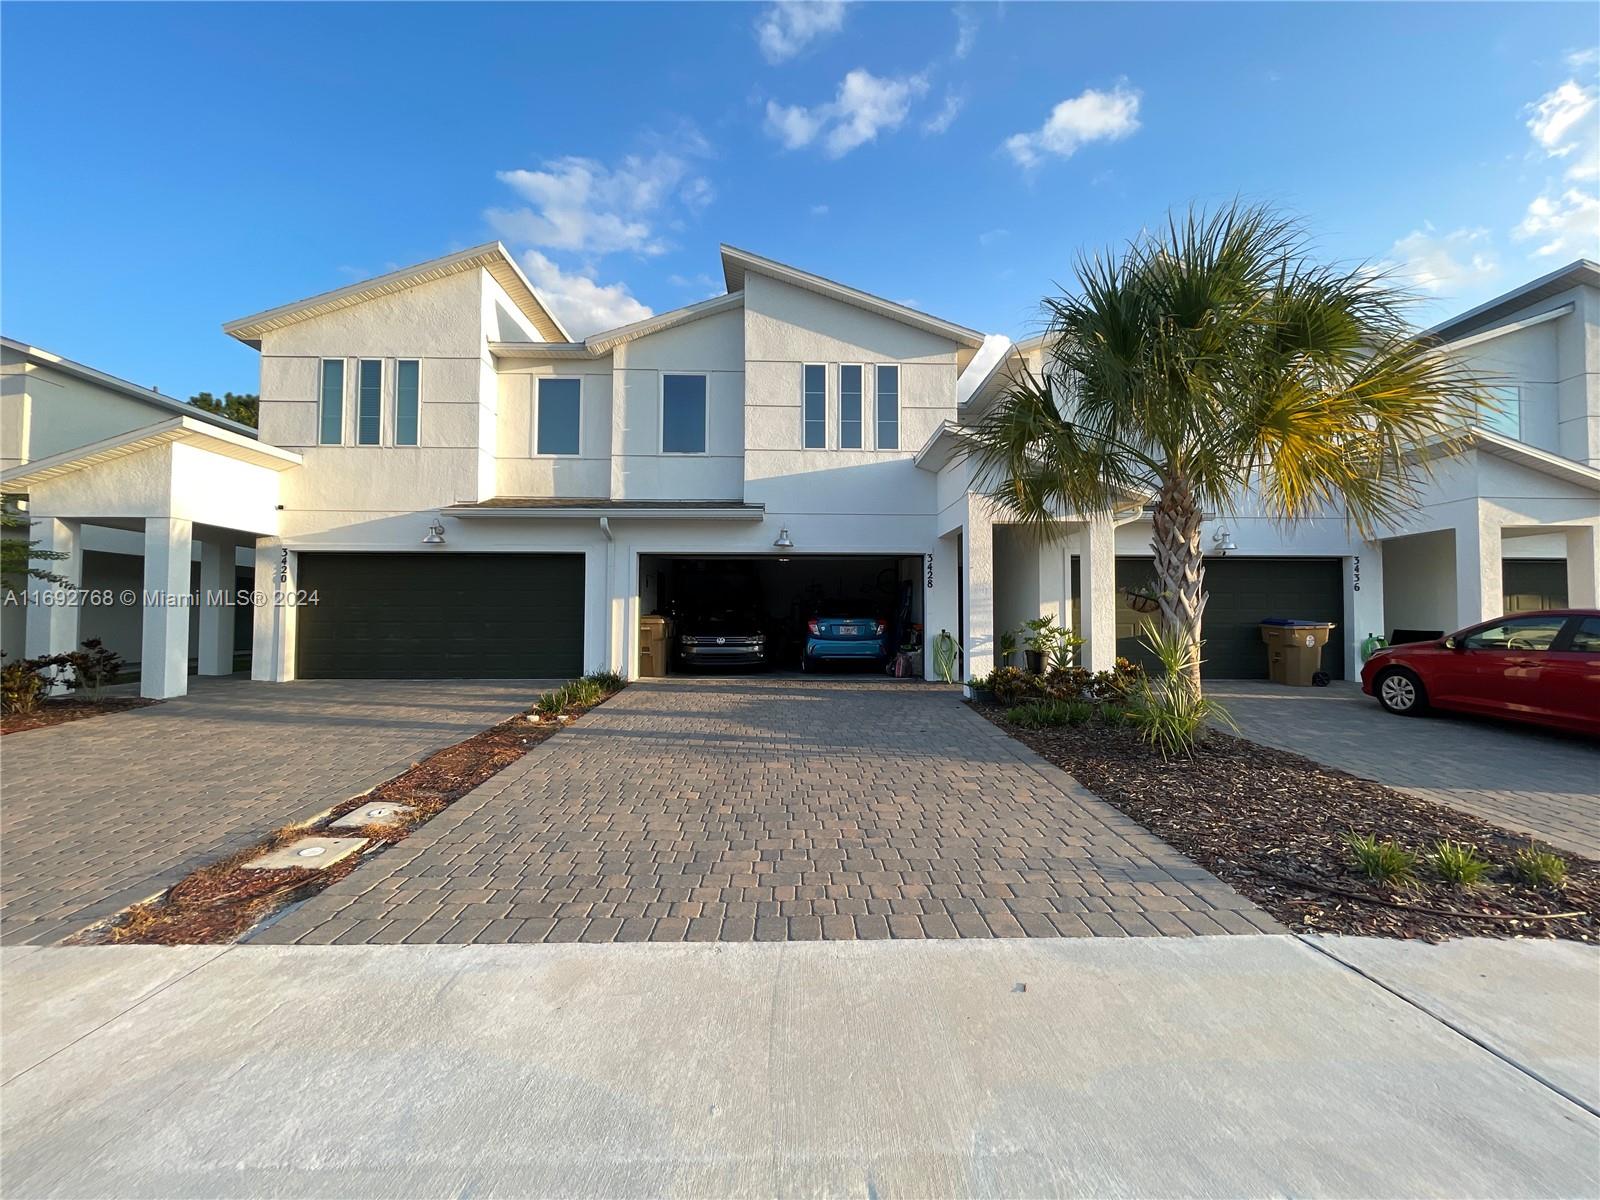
(534, 432)
(661, 414)
(394, 424)
(899, 380)
(823, 367)
(861, 418)
(382, 379)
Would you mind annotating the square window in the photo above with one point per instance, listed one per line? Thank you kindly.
(815, 407)
(331, 427)
(683, 414)
(849, 408)
(888, 408)
(560, 416)
(1505, 418)
(408, 372)
(369, 401)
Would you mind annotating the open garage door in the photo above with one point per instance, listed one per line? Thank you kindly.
(440, 616)
(1243, 592)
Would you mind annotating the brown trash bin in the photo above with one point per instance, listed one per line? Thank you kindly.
(1294, 649)
(654, 638)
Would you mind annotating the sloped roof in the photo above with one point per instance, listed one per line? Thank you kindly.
(491, 257)
(1582, 271)
(112, 383)
(598, 344)
(179, 429)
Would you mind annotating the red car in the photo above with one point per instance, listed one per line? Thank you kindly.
(1542, 667)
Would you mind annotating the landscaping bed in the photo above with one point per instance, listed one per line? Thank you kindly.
(1274, 826)
(59, 712)
(222, 901)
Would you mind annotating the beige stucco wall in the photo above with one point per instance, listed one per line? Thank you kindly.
(522, 472)
(44, 411)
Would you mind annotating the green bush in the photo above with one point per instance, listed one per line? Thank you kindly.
(1382, 862)
(1170, 714)
(582, 693)
(606, 681)
(1050, 714)
(21, 684)
(1539, 867)
(1012, 685)
(551, 704)
(1459, 863)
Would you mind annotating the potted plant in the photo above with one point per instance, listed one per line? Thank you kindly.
(1040, 636)
(1065, 651)
(1008, 646)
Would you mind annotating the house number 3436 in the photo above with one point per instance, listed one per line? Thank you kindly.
(1355, 572)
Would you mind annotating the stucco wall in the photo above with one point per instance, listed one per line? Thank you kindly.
(522, 472)
(45, 412)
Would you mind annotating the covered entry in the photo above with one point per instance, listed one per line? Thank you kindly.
(1243, 591)
(440, 616)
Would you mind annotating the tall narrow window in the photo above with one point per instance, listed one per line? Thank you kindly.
(683, 414)
(369, 401)
(330, 430)
(559, 416)
(815, 415)
(407, 378)
(888, 408)
(1506, 415)
(849, 408)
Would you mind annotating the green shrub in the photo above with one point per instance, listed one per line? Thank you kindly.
(1459, 863)
(21, 684)
(606, 681)
(551, 704)
(1539, 867)
(1170, 713)
(1050, 714)
(1011, 685)
(583, 693)
(1382, 862)
(94, 667)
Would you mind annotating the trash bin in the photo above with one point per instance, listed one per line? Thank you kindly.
(654, 638)
(1294, 649)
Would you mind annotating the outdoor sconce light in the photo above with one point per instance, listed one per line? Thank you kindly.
(1222, 542)
(783, 542)
(435, 535)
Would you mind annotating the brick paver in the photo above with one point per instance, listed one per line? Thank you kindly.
(1519, 777)
(774, 809)
(100, 813)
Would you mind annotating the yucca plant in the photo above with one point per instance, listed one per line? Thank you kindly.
(1539, 867)
(1382, 862)
(1459, 863)
(1213, 355)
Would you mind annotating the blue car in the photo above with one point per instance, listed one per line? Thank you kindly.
(833, 635)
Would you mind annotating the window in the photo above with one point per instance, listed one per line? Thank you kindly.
(1516, 633)
(815, 413)
(331, 429)
(407, 378)
(559, 416)
(1506, 415)
(849, 408)
(1586, 639)
(888, 408)
(369, 401)
(683, 414)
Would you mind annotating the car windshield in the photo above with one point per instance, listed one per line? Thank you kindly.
(1516, 633)
(725, 620)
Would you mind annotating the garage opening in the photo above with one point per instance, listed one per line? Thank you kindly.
(1243, 592)
(440, 616)
(765, 608)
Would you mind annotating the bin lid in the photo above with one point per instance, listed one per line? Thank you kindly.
(1296, 623)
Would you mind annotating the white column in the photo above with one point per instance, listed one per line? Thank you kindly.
(217, 581)
(53, 612)
(1479, 594)
(1097, 593)
(1583, 567)
(271, 639)
(164, 651)
(978, 549)
(939, 608)
(1363, 604)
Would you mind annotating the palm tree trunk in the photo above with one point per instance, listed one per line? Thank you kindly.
(1180, 567)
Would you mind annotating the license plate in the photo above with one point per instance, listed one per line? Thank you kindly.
(849, 630)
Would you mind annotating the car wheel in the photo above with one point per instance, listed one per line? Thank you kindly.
(1402, 693)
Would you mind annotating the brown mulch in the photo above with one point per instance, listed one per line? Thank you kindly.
(59, 712)
(1272, 825)
(222, 901)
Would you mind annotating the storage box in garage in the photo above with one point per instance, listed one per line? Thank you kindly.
(654, 638)
(1294, 649)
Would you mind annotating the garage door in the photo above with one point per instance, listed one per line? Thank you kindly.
(440, 616)
(1243, 591)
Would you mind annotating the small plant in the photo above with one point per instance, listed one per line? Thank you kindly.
(1050, 714)
(21, 685)
(1065, 650)
(1170, 713)
(551, 704)
(1114, 713)
(606, 681)
(582, 693)
(1009, 685)
(1459, 863)
(1539, 867)
(94, 667)
(1006, 643)
(1382, 862)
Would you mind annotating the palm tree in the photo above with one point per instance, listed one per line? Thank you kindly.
(1209, 357)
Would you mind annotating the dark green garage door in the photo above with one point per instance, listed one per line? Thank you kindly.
(1243, 591)
(440, 616)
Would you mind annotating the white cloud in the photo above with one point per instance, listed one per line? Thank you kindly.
(1091, 116)
(1578, 59)
(789, 26)
(990, 236)
(966, 30)
(945, 117)
(1558, 123)
(1564, 219)
(583, 305)
(1450, 263)
(1566, 224)
(864, 107)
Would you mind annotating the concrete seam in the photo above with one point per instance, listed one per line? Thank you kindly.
(1481, 1043)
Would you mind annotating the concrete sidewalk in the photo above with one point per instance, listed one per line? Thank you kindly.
(1237, 1066)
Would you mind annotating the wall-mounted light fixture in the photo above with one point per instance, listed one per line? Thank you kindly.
(783, 542)
(435, 535)
(1222, 542)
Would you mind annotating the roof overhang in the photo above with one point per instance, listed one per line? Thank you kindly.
(537, 508)
(187, 430)
(1582, 272)
(78, 370)
(491, 257)
(1555, 465)
(598, 345)
(942, 445)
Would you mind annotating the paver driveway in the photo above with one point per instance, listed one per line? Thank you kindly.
(774, 808)
(100, 813)
(1519, 777)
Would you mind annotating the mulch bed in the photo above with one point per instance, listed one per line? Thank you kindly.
(59, 712)
(222, 901)
(1272, 825)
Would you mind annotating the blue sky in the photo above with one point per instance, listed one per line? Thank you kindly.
(189, 164)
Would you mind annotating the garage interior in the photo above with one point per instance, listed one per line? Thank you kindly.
(783, 590)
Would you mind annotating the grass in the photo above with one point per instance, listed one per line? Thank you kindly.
(1539, 867)
(1050, 714)
(1459, 863)
(1382, 862)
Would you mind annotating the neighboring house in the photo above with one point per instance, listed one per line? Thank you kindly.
(117, 459)
(450, 485)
